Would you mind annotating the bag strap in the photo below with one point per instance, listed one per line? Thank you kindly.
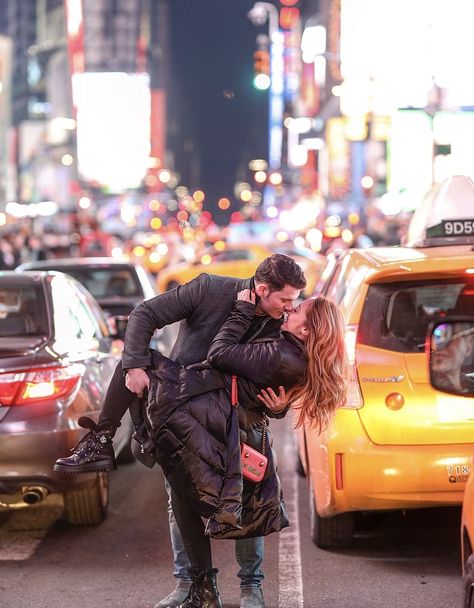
(234, 391)
(234, 400)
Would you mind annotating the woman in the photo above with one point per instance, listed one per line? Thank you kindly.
(197, 432)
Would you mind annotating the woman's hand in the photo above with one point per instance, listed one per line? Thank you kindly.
(272, 401)
(247, 295)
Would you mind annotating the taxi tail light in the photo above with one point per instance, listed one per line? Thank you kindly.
(354, 399)
(26, 387)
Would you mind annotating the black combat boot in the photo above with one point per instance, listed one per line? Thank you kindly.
(203, 592)
(94, 452)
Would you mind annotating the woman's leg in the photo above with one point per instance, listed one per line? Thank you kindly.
(95, 451)
(203, 592)
(197, 544)
(117, 401)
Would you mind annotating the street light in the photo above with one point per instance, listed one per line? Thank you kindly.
(260, 12)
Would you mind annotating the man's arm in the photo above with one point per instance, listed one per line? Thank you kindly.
(164, 309)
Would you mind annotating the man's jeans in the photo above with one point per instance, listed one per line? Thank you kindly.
(249, 556)
(248, 553)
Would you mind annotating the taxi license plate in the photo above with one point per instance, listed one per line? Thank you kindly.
(458, 473)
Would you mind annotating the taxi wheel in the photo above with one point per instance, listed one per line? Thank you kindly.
(88, 506)
(335, 532)
(299, 466)
(469, 584)
(299, 469)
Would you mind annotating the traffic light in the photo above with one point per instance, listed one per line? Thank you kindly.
(261, 66)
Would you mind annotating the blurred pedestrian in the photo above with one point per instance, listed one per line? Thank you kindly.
(452, 357)
(7, 257)
(36, 250)
(20, 250)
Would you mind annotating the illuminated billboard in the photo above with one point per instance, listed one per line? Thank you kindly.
(394, 51)
(113, 128)
(410, 156)
(338, 158)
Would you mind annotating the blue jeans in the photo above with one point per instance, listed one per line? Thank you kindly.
(249, 556)
(248, 553)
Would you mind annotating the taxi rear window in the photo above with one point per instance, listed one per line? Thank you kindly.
(396, 316)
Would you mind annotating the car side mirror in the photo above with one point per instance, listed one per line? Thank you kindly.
(121, 325)
(116, 326)
(450, 350)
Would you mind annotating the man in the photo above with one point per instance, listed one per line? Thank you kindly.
(202, 306)
(452, 357)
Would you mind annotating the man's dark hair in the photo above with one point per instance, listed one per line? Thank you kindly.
(279, 270)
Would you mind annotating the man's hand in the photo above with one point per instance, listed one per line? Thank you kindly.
(247, 295)
(136, 380)
(275, 403)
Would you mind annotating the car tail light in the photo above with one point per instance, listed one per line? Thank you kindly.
(354, 399)
(41, 384)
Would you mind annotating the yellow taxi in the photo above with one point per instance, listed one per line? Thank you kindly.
(450, 349)
(152, 253)
(396, 443)
(467, 543)
(241, 261)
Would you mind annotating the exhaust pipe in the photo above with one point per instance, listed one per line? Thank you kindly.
(33, 495)
(27, 496)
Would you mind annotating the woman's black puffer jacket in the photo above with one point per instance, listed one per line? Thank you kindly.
(196, 429)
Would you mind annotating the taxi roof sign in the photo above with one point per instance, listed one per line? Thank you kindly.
(445, 216)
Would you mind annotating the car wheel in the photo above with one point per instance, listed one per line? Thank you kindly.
(335, 532)
(299, 465)
(469, 583)
(88, 506)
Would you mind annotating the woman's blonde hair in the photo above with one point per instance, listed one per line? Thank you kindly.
(324, 386)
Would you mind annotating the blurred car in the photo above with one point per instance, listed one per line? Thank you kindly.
(118, 286)
(393, 443)
(57, 355)
(240, 261)
(450, 349)
(153, 255)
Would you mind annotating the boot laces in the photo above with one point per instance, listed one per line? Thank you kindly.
(92, 441)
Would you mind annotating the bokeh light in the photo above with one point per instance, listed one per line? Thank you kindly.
(156, 223)
(199, 196)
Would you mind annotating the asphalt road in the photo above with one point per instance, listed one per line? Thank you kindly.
(398, 560)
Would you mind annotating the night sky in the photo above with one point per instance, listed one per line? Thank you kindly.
(218, 121)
